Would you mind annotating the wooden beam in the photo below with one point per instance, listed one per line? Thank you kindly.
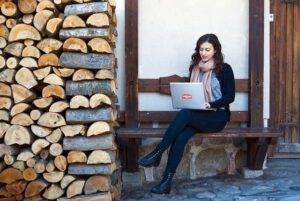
(131, 76)
(256, 61)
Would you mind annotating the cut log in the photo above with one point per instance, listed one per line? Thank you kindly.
(41, 18)
(28, 62)
(75, 45)
(9, 9)
(31, 51)
(2, 62)
(9, 159)
(22, 119)
(53, 91)
(35, 188)
(83, 74)
(10, 175)
(55, 149)
(42, 73)
(17, 135)
(95, 197)
(23, 32)
(98, 20)
(55, 136)
(46, 5)
(50, 167)
(59, 106)
(17, 187)
(10, 23)
(12, 62)
(49, 45)
(25, 155)
(25, 77)
(7, 75)
(38, 145)
(66, 181)
(100, 99)
(3, 42)
(88, 61)
(86, 33)
(53, 26)
(54, 79)
(2, 18)
(33, 198)
(5, 90)
(49, 59)
(27, 6)
(51, 120)
(31, 162)
(27, 19)
(22, 94)
(97, 183)
(19, 165)
(99, 157)
(4, 32)
(91, 87)
(35, 114)
(76, 157)
(28, 42)
(60, 162)
(29, 174)
(90, 115)
(89, 143)
(53, 177)
(43, 103)
(40, 131)
(6, 103)
(75, 188)
(44, 153)
(98, 128)
(79, 101)
(72, 130)
(40, 166)
(83, 169)
(19, 108)
(63, 72)
(99, 45)
(9, 150)
(14, 49)
(3, 128)
(73, 21)
(4, 116)
(53, 192)
(88, 8)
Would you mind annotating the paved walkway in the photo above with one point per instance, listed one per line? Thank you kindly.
(280, 182)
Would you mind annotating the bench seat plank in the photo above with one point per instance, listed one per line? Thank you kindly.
(225, 133)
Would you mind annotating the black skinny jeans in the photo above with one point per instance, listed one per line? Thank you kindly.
(184, 126)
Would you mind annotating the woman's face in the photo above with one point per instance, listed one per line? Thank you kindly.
(206, 51)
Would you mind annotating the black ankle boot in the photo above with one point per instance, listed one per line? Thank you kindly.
(152, 159)
(164, 186)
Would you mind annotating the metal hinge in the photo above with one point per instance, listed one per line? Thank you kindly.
(271, 17)
(289, 1)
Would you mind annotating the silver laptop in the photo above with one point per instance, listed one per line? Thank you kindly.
(188, 95)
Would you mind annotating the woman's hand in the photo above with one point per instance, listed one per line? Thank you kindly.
(207, 105)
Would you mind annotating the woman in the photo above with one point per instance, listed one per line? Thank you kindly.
(207, 66)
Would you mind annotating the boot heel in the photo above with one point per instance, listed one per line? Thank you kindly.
(157, 162)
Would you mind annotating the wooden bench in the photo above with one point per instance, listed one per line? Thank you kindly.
(258, 139)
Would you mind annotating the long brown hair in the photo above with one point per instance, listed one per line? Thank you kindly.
(218, 56)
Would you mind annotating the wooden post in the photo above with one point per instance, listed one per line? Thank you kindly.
(256, 61)
(130, 151)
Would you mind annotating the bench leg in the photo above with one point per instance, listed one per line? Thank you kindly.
(129, 149)
(256, 152)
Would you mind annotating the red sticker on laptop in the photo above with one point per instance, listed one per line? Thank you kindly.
(186, 96)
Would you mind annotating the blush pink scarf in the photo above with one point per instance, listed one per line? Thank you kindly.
(206, 68)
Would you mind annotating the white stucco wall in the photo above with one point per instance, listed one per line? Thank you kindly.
(168, 31)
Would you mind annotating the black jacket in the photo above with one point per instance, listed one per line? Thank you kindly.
(227, 82)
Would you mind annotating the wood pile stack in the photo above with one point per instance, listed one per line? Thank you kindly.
(57, 100)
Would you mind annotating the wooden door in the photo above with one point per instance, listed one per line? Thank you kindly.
(285, 74)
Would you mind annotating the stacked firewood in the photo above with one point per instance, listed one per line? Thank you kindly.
(57, 100)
